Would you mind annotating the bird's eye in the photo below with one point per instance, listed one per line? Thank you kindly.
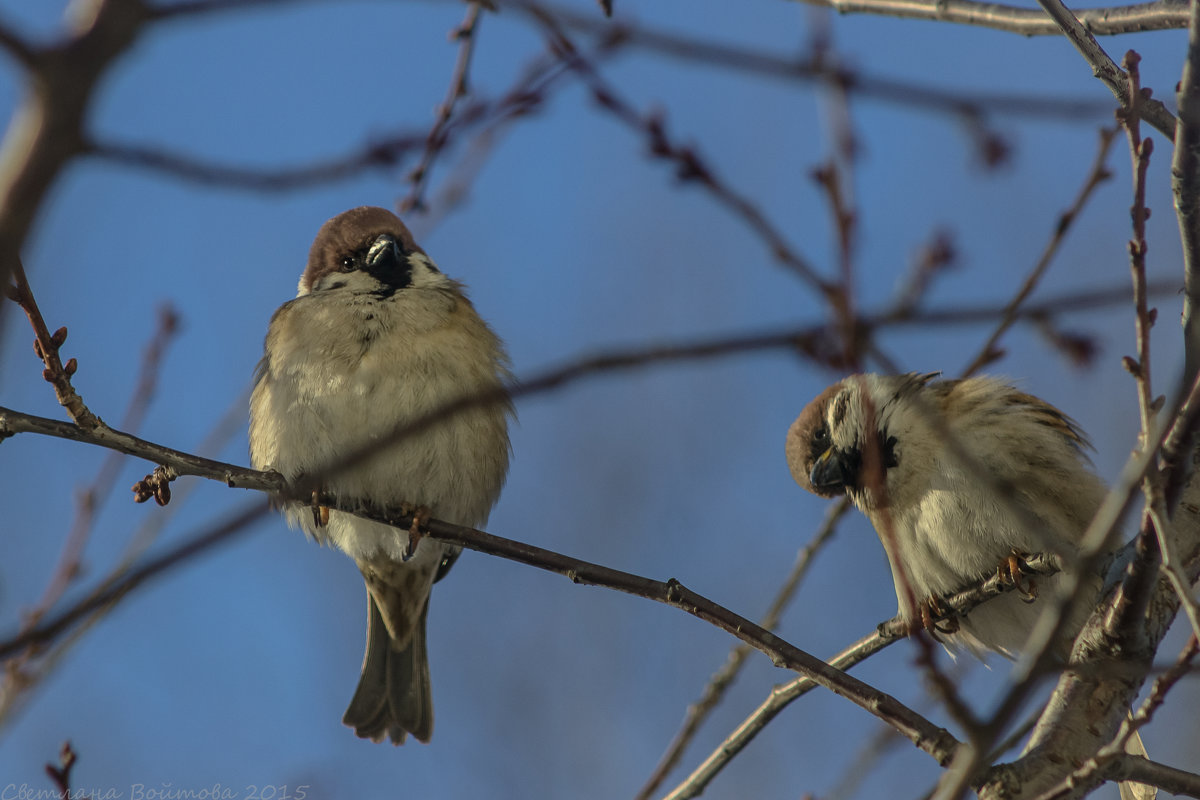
(819, 444)
(348, 264)
(821, 438)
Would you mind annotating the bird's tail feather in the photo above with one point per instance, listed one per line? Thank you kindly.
(394, 695)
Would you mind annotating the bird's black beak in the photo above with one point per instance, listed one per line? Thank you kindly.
(835, 471)
(387, 263)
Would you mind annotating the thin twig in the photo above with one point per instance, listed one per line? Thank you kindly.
(101, 487)
(942, 685)
(526, 94)
(1096, 174)
(111, 591)
(836, 180)
(1166, 681)
(381, 153)
(61, 774)
(1091, 689)
(1075, 301)
(1135, 18)
(935, 741)
(18, 678)
(688, 163)
(1039, 657)
(1103, 67)
(861, 84)
(190, 8)
(46, 346)
(938, 256)
(465, 34)
(1125, 618)
(230, 425)
(14, 422)
(1140, 150)
(15, 46)
(1112, 764)
(812, 341)
(47, 130)
(888, 632)
(724, 677)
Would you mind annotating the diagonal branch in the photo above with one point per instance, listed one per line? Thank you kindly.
(466, 35)
(1104, 68)
(689, 165)
(781, 697)
(934, 740)
(1095, 176)
(15, 46)
(724, 677)
(111, 591)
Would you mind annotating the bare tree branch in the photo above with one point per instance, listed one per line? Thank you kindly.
(1143, 770)
(111, 591)
(528, 92)
(781, 697)
(14, 422)
(1112, 763)
(61, 774)
(724, 677)
(1103, 67)
(1185, 185)
(46, 346)
(864, 85)
(1092, 697)
(192, 8)
(465, 34)
(383, 153)
(689, 164)
(933, 740)
(1135, 18)
(812, 341)
(1095, 176)
(47, 130)
(15, 46)
(21, 674)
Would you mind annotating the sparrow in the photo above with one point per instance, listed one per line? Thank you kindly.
(924, 460)
(377, 337)
(885, 441)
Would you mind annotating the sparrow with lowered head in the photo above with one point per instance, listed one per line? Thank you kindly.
(885, 441)
(378, 337)
(941, 524)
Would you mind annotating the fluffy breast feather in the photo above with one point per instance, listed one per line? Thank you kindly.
(341, 375)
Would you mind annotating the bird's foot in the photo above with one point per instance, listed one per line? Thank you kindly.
(420, 515)
(935, 617)
(320, 513)
(1011, 571)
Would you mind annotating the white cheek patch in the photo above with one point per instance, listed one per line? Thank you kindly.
(356, 281)
(425, 274)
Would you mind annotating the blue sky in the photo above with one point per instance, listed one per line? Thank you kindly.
(236, 669)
